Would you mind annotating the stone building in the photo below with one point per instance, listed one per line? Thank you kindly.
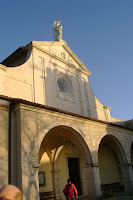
(53, 127)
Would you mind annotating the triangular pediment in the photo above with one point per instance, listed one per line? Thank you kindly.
(61, 51)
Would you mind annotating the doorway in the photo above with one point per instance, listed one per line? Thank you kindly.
(74, 173)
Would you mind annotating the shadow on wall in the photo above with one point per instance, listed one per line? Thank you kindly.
(4, 147)
(33, 123)
(129, 123)
(62, 143)
(114, 171)
(80, 98)
(37, 82)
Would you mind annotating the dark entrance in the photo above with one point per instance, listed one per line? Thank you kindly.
(74, 173)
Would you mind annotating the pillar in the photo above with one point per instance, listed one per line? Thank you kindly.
(127, 177)
(97, 181)
(57, 186)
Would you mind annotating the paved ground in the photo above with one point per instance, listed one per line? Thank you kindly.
(115, 198)
(124, 198)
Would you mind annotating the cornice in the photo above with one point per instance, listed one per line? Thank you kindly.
(17, 102)
(64, 44)
(3, 67)
(4, 107)
(76, 58)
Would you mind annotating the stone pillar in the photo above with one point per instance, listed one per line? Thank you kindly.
(97, 181)
(127, 174)
(57, 186)
(34, 182)
(15, 149)
(2, 78)
(89, 182)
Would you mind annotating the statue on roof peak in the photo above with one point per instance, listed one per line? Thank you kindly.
(57, 31)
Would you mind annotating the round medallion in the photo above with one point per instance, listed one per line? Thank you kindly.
(63, 85)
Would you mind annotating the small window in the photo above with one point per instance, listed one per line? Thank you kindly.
(41, 177)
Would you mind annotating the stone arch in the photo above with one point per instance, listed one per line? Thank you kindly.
(112, 157)
(117, 141)
(46, 130)
(52, 139)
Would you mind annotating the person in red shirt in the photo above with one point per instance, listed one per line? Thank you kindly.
(70, 191)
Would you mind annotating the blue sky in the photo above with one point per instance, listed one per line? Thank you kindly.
(100, 32)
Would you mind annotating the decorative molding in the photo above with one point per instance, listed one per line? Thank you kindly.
(80, 97)
(36, 165)
(126, 165)
(64, 67)
(91, 165)
(77, 59)
(83, 68)
(87, 99)
(69, 96)
(4, 107)
(43, 78)
(95, 165)
(3, 67)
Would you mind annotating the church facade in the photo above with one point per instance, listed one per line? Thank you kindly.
(53, 127)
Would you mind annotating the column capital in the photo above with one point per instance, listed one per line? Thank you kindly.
(91, 165)
(37, 165)
(126, 165)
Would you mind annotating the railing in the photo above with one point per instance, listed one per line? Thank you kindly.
(112, 187)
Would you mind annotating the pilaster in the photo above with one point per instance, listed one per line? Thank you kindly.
(2, 78)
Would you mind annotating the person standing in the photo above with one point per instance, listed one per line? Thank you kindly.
(70, 191)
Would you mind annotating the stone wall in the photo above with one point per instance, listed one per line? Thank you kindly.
(4, 143)
(36, 124)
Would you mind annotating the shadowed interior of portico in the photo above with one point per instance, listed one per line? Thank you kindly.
(112, 167)
(60, 146)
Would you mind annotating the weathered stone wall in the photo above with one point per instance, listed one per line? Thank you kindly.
(4, 141)
(37, 77)
(37, 122)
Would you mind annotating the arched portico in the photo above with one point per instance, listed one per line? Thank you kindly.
(132, 152)
(62, 148)
(113, 166)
